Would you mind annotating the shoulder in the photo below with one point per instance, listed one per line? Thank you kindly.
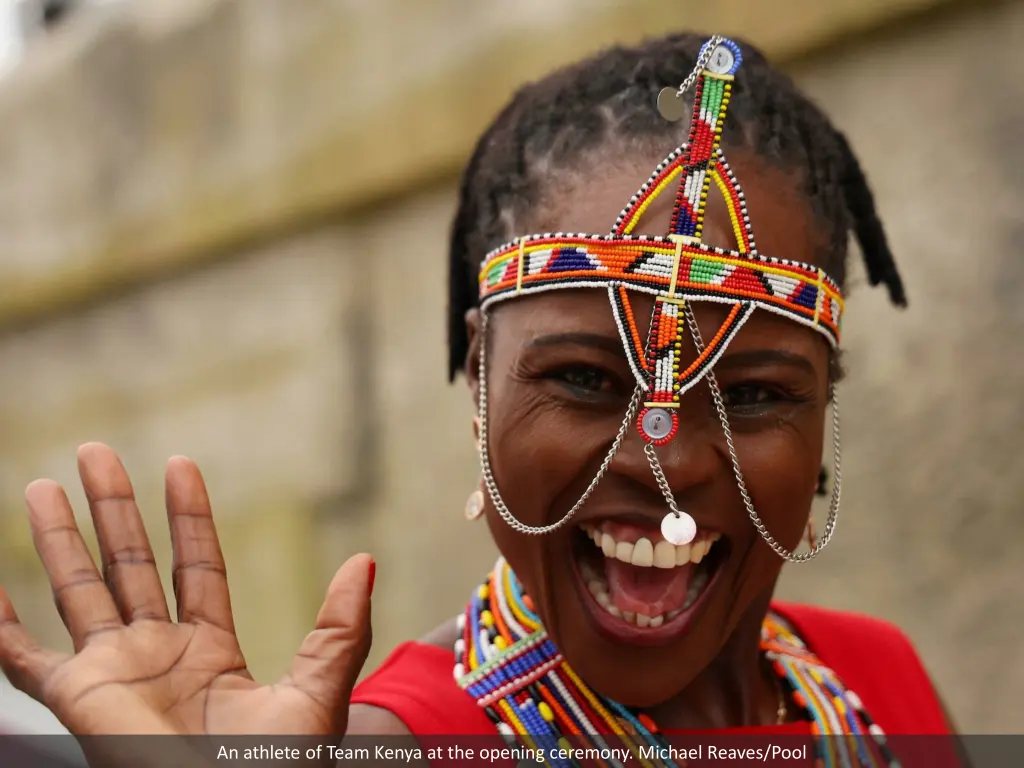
(846, 637)
(875, 659)
(843, 627)
(416, 686)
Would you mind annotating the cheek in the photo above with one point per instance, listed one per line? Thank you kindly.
(781, 482)
(780, 469)
(783, 477)
(542, 453)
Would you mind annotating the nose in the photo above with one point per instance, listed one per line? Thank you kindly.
(689, 460)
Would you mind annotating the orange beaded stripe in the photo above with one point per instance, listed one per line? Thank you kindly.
(645, 263)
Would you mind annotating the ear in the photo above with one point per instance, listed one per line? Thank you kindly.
(474, 336)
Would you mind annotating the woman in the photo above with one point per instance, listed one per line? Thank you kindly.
(644, 480)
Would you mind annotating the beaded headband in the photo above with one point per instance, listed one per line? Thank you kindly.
(678, 269)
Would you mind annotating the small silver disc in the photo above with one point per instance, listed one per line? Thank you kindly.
(678, 530)
(721, 60)
(657, 423)
(671, 107)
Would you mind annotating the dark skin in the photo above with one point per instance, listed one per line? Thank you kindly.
(555, 413)
(558, 388)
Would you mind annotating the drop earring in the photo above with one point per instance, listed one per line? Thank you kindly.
(475, 502)
(475, 505)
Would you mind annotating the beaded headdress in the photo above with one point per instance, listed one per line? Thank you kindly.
(677, 269)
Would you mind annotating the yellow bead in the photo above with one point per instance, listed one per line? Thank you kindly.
(483, 592)
(486, 618)
(499, 643)
(545, 711)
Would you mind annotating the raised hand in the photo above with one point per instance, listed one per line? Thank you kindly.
(136, 671)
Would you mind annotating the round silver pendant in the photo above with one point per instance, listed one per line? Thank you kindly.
(671, 107)
(657, 423)
(678, 529)
(721, 60)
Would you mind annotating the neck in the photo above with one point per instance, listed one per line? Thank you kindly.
(736, 689)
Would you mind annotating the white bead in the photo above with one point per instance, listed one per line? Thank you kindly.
(507, 734)
(679, 529)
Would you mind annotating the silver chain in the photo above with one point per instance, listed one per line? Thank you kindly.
(833, 512)
(659, 475)
(485, 460)
(702, 64)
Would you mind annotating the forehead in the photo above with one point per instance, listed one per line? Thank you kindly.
(589, 199)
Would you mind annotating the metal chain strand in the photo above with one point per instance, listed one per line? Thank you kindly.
(702, 63)
(830, 524)
(659, 475)
(485, 460)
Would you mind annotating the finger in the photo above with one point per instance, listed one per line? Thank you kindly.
(129, 568)
(200, 576)
(83, 600)
(330, 658)
(26, 665)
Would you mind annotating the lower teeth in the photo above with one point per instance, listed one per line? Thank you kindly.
(598, 587)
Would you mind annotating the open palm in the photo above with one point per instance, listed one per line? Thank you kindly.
(134, 670)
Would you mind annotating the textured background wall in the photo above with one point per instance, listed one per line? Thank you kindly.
(189, 253)
(934, 404)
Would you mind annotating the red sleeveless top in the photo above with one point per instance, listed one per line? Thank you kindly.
(872, 657)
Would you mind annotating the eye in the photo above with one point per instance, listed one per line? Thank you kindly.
(749, 397)
(585, 379)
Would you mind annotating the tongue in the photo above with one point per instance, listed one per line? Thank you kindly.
(652, 591)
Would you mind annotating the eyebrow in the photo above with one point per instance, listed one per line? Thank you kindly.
(745, 359)
(754, 357)
(580, 339)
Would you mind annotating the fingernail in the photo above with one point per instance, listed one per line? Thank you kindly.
(373, 574)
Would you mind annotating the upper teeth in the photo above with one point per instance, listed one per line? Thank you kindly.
(643, 553)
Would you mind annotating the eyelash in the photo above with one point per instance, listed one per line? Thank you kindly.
(564, 375)
(766, 397)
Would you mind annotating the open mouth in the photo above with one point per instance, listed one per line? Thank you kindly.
(644, 589)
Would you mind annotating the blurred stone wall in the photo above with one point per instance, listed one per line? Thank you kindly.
(201, 204)
(934, 404)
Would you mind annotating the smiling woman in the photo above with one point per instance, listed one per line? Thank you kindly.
(653, 404)
(654, 397)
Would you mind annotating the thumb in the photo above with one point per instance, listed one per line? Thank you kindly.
(330, 658)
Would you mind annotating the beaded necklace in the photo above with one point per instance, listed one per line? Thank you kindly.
(507, 663)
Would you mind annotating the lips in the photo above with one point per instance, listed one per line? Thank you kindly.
(641, 588)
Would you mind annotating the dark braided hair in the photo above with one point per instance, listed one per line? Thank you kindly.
(608, 102)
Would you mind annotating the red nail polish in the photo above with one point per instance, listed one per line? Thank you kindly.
(373, 574)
